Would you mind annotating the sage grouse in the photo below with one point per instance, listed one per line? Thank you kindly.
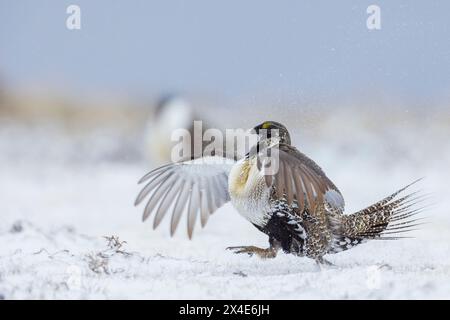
(297, 206)
(171, 113)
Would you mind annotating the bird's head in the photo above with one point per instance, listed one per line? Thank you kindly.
(273, 130)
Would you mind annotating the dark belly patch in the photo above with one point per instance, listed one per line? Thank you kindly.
(286, 227)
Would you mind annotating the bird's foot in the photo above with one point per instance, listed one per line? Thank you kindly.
(251, 250)
(322, 263)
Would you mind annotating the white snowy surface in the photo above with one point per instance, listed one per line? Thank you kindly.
(55, 210)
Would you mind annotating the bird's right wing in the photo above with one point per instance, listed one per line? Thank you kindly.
(193, 186)
(300, 178)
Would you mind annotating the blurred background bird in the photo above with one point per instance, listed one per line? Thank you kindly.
(172, 112)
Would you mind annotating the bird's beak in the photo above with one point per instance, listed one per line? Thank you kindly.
(253, 132)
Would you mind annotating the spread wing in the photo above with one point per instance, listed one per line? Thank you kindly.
(193, 186)
(300, 178)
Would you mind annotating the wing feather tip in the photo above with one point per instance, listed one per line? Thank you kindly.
(137, 201)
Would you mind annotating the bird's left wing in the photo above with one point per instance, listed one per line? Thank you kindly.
(193, 186)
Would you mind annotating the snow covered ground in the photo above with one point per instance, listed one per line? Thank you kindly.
(62, 194)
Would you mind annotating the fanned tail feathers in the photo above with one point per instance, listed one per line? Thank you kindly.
(388, 219)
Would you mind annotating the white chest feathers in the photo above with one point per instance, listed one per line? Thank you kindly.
(248, 192)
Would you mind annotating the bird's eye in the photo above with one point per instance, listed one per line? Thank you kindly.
(266, 125)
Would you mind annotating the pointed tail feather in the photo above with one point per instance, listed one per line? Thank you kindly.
(387, 219)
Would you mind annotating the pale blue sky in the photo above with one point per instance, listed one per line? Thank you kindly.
(229, 48)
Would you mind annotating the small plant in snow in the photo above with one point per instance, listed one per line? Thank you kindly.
(99, 261)
(115, 244)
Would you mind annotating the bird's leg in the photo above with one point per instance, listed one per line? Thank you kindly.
(267, 253)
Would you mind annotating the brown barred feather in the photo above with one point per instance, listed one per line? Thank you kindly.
(380, 221)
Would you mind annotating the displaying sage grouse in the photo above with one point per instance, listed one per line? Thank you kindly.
(171, 113)
(297, 206)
